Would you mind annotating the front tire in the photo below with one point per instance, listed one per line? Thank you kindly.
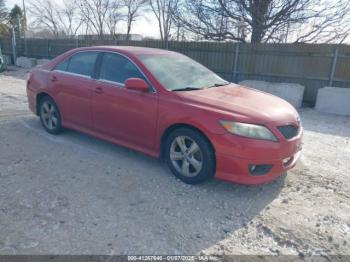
(189, 156)
(50, 116)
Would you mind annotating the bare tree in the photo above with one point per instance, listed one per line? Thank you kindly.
(114, 15)
(70, 18)
(328, 23)
(45, 13)
(206, 18)
(94, 14)
(60, 19)
(132, 12)
(163, 10)
(263, 20)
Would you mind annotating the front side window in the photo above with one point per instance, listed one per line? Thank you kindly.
(63, 65)
(117, 68)
(82, 63)
(179, 72)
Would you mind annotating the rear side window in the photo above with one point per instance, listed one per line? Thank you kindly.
(117, 68)
(82, 63)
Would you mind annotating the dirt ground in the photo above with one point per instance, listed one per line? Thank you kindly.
(74, 194)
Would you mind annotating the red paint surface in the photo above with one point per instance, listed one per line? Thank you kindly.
(138, 119)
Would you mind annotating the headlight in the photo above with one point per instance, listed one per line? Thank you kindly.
(248, 130)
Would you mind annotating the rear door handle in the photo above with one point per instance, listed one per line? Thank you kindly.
(99, 90)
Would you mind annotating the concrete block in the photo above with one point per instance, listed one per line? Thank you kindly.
(293, 93)
(26, 62)
(334, 100)
(7, 59)
(42, 61)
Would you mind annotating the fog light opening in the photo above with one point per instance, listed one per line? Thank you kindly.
(287, 161)
(259, 170)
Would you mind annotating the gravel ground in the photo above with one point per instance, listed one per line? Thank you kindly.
(74, 194)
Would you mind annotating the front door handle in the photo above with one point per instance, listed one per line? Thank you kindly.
(99, 90)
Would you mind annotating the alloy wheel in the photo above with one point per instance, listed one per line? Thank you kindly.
(49, 115)
(186, 156)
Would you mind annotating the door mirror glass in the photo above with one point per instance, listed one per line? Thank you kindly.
(136, 84)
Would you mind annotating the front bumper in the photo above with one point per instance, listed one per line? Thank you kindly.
(234, 156)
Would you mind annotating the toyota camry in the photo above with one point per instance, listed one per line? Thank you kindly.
(166, 105)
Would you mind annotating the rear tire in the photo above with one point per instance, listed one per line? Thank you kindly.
(189, 156)
(50, 116)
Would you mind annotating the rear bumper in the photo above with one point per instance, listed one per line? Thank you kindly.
(233, 164)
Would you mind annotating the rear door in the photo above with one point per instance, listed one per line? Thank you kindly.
(73, 86)
(126, 115)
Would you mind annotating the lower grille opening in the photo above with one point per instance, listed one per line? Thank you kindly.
(259, 170)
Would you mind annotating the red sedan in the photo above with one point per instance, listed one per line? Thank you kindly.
(166, 105)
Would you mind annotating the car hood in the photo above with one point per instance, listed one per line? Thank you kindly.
(246, 103)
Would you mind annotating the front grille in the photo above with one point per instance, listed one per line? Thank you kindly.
(289, 131)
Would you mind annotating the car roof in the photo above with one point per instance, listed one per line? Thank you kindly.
(132, 50)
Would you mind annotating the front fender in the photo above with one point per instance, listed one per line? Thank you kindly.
(174, 112)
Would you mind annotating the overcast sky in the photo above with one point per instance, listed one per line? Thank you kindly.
(146, 25)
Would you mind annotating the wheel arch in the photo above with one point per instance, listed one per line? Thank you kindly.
(40, 96)
(173, 127)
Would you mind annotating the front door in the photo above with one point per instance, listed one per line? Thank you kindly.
(128, 116)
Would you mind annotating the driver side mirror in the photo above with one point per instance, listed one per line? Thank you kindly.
(136, 84)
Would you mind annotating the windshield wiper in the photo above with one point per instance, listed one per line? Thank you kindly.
(219, 84)
(189, 88)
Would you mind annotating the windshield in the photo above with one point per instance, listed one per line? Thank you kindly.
(178, 72)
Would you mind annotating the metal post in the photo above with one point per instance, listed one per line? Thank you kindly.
(48, 49)
(14, 49)
(334, 66)
(25, 45)
(24, 12)
(235, 64)
(25, 29)
(19, 35)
